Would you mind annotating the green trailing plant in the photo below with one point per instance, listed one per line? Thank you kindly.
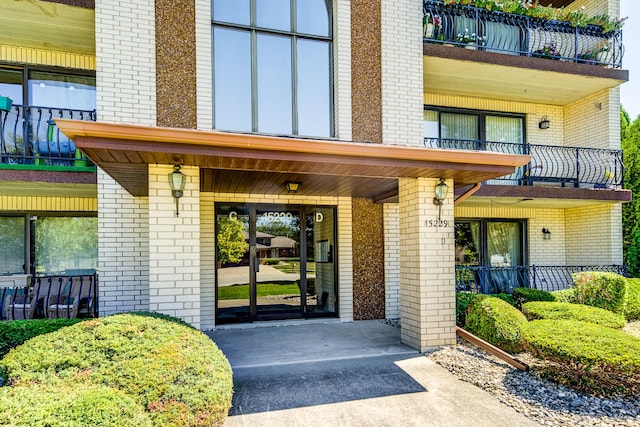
(604, 290)
(497, 322)
(585, 356)
(536, 310)
(175, 374)
(522, 295)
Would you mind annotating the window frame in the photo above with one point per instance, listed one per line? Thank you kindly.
(483, 250)
(254, 30)
(481, 115)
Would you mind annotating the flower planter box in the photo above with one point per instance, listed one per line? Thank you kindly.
(5, 103)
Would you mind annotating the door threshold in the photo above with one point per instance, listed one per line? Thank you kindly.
(277, 323)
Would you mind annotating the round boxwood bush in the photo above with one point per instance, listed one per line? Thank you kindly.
(564, 295)
(175, 373)
(604, 290)
(463, 302)
(48, 405)
(632, 308)
(563, 310)
(585, 356)
(522, 295)
(15, 332)
(497, 322)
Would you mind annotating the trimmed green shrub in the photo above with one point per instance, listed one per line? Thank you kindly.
(497, 322)
(15, 332)
(522, 295)
(463, 300)
(563, 310)
(47, 405)
(272, 261)
(585, 356)
(565, 295)
(505, 297)
(604, 290)
(632, 308)
(177, 374)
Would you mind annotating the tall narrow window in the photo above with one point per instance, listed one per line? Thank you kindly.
(272, 66)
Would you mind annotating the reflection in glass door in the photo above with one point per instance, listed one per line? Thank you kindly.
(274, 262)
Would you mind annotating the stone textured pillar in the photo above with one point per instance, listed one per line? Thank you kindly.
(427, 281)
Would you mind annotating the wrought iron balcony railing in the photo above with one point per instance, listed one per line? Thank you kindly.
(476, 28)
(564, 166)
(66, 296)
(29, 136)
(494, 280)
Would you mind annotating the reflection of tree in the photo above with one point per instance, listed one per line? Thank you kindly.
(231, 243)
(62, 241)
(11, 245)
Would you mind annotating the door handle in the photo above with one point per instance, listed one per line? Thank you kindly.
(253, 252)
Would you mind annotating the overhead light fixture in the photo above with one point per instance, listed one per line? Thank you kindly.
(177, 180)
(292, 187)
(544, 123)
(546, 234)
(441, 194)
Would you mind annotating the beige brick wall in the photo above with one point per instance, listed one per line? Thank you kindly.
(402, 72)
(207, 262)
(594, 235)
(123, 253)
(391, 218)
(589, 121)
(344, 249)
(174, 246)
(597, 7)
(204, 65)
(427, 286)
(125, 61)
(342, 69)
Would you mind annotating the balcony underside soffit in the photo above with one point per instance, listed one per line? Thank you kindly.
(465, 72)
(49, 26)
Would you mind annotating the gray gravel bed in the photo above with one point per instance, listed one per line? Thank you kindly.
(545, 402)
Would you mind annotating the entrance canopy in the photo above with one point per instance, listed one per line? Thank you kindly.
(248, 163)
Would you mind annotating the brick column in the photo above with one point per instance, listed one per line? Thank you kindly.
(427, 282)
(174, 246)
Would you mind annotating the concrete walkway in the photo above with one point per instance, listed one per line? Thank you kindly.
(347, 374)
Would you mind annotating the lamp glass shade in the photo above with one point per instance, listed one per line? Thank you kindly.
(441, 190)
(292, 187)
(177, 180)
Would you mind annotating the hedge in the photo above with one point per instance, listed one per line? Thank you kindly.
(176, 374)
(463, 301)
(15, 332)
(564, 295)
(497, 322)
(585, 356)
(632, 308)
(604, 290)
(563, 310)
(523, 295)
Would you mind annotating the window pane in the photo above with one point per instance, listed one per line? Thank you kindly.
(232, 84)
(504, 129)
(62, 91)
(313, 17)
(11, 85)
(430, 128)
(314, 104)
(274, 84)
(12, 246)
(66, 245)
(504, 242)
(459, 126)
(467, 243)
(235, 11)
(275, 14)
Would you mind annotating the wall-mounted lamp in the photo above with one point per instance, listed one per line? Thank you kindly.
(546, 234)
(177, 180)
(544, 123)
(292, 187)
(441, 193)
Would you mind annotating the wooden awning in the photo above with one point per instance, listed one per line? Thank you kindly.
(248, 163)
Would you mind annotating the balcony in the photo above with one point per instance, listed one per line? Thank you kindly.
(493, 280)
(576, 167)
(476, 28)
(30, 139)
(472, 51)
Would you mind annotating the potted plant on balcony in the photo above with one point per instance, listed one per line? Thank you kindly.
(5, 103)
(430, 26)
(548, 51)
(468, 40)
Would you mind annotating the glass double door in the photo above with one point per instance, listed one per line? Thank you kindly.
(274, 262)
